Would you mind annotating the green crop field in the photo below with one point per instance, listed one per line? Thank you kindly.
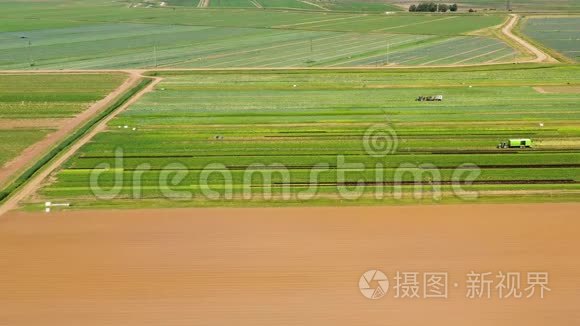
(142, 45)
(559, 33)
(40, 102)
(317, 5)
(295, 122)
(13, 142)
(114, 37)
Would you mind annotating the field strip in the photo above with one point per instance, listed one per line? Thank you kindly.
(314, 4)
(336, 48)
(66, 127)
(500, 58)
(32, 123)
(216, 50)
(458, 54)
(382, 42)
(371, 56)
(340, 47)
(343, 45)
(412, 58)
(35, 182)
(317, 21)
(414, 24)
(217, 56)
(267, 48)
(332, 26)
(403, 54)
(477, 56)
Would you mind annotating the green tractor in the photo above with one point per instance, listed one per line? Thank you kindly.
(516, 143)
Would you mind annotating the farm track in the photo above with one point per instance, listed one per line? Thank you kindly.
(36, 181)
(540, 56)
(64, 128)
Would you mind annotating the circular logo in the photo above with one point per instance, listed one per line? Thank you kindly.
(373, 284)
(380, 140)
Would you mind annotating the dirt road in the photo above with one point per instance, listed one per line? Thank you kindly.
(65, 128)
(540, 56)
(289, 266)
(33, 184)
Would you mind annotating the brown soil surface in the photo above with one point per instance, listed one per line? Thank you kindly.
(558, 89)
(282, 266)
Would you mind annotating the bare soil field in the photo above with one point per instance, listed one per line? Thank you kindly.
(558, 89)
(282, 266)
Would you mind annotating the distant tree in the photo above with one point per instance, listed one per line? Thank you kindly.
(471, 10)
(453, 7)
(432, 7)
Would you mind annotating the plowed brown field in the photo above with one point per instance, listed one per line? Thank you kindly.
(281, 266)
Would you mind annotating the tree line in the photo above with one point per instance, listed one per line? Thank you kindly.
(432, 7)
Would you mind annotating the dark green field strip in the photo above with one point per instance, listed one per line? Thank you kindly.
(249, 145)
(523, 75)
(316, 167)
(304, 160)
(57, 87)
(75, 186)
(425, 183)
(107, 178)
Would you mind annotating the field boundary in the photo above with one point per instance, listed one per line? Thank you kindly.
(33, 177)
